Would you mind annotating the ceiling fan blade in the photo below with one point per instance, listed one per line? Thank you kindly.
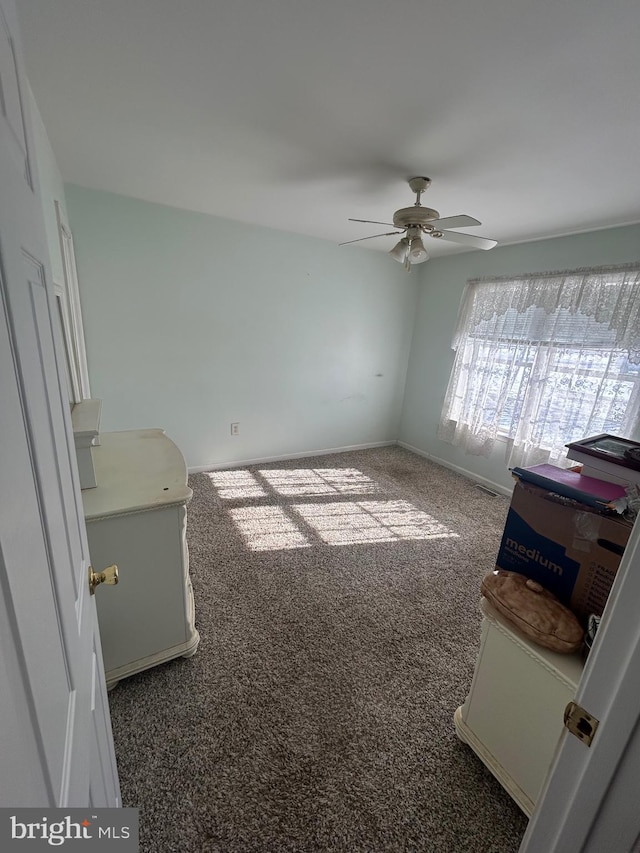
(388, 234)
(374, 222)
(468, 240)
(455, 222)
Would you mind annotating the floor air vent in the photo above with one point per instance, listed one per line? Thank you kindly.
(486, 490)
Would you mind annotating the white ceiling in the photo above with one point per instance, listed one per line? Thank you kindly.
(297, 114)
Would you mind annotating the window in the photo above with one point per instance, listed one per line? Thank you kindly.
(543, 360)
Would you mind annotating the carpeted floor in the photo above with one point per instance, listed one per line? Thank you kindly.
(337, 602)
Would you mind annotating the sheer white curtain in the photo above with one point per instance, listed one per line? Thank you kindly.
(543, 360)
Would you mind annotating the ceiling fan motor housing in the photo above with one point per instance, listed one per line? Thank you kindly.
(415, 215)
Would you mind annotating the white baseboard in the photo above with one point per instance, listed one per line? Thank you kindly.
(495, 487)
(241, 463)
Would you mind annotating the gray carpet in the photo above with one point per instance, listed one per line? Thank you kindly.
(337, 601)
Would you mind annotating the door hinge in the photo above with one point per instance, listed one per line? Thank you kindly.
(580, 723)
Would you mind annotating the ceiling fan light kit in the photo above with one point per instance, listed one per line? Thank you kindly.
(419, 221)
(417, 252)
(400, 250)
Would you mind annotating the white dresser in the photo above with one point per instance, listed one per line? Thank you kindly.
(514, 713)
(136, 517)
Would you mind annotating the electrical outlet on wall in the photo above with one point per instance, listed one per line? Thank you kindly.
(235, 429)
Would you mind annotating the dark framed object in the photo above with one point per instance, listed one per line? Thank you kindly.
(620, 451)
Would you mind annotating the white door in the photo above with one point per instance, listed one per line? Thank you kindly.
(56, 747)
(589, 802)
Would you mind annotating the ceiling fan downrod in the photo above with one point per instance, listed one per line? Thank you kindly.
(418, 186)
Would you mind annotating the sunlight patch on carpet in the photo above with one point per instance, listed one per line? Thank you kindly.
(319, 481)
(232, 485)
(268, 528)
(358, 522)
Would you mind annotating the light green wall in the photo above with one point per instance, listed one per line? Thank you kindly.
(194, 322)
(431, 358)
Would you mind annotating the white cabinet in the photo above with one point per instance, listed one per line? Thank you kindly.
(514, 713)
(136, 517)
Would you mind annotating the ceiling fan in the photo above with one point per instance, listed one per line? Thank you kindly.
(418, 220)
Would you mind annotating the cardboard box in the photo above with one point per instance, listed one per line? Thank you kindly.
(572, 550)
